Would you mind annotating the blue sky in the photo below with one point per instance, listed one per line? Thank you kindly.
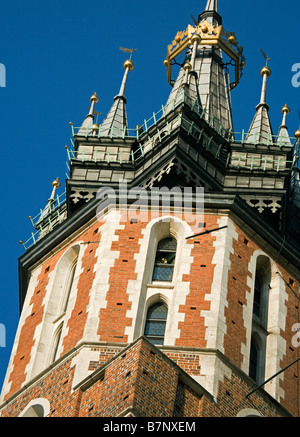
(58, 53)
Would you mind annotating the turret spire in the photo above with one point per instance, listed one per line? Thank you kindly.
(51, 202)
(283, 138)
(265, 73)
(87, 126)
(115, 123)
(212, 5)
(204, 74)
(260, 131)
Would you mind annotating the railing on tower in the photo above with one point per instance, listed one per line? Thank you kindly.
(147, 135)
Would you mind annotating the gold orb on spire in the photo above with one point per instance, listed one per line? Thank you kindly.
(56, 183)
(297, 134)
(196, 38)
(204, 28)
(95, 128)
(128, 64)
(265, 70)
(94, 98)
(285, 109)
(187, 66)
(231, 39)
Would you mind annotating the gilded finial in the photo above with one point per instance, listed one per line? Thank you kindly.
(187, 66)
(94, 98)
(95, 128)
(297, 134)
(56, 183)
(265, 71)
(128, 64)
(285, 109)
(231, 39)
(196, 38)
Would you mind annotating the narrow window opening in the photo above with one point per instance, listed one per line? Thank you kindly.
(165, 260)
(253, 361)
(156, 323)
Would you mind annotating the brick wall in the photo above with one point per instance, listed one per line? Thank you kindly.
(142, 380)
(192, 330)
(113, 316)
(113, 319)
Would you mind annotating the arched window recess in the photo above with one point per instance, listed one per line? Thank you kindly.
(156, 323)
(165, 260)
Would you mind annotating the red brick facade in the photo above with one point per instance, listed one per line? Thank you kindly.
(142, 380)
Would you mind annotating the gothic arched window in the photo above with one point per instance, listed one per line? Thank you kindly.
(165, 260)
(37, 408)
(260, 319)
(156, 323)
(69, 284)
(55, 344)
(257, 296)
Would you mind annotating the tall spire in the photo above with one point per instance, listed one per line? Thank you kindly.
(212, 5)
(51, 202)
(115, 123)
(204, 76)
(87, 125)
(283, 138)
(211, 13)
(261, 130)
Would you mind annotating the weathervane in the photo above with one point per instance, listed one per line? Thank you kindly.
(123, 49)
(265, 56)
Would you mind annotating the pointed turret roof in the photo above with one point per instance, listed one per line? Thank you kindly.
(261, 129)
(283, 138)
(115, 124)
(206, 81)
(51, 202)
(87, 125)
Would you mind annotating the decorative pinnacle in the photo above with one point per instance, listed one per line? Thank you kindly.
(128, 66)
(94, 99)
(297, 134)
(285, 110)
(265, 72)
(55, 185)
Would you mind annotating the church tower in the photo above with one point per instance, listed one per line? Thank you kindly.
(164, 282)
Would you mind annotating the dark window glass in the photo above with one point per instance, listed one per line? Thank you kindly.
(257, 296)
(156, 323)
(165, 260)
(253, 361)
